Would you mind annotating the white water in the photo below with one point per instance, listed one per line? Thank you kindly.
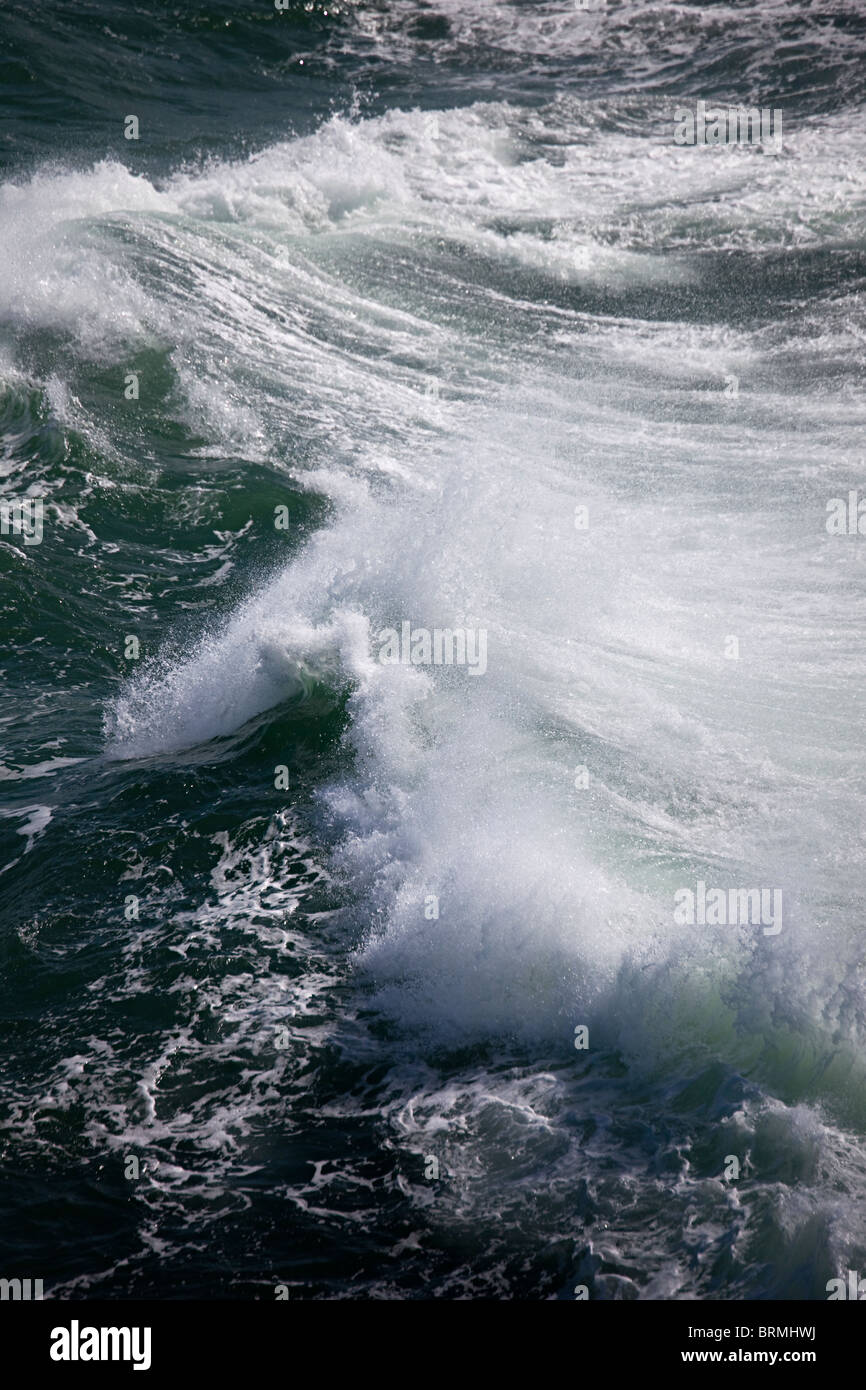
(310, 296)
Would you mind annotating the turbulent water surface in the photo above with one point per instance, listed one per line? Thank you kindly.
(432, 277)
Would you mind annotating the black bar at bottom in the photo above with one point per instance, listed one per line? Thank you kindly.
(164, 1340)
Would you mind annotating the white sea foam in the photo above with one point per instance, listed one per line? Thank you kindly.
(310, 295)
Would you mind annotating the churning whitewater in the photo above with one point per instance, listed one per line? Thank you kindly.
(433, 765)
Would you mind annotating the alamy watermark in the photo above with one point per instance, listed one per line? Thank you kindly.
(21, 1290)
(853, 1288)
(444, 646)
(77, 1343)
(846, 516)
(729, 907)
(22, 516)
(728, 125)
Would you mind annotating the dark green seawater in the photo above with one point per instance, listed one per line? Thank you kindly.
(294, 941)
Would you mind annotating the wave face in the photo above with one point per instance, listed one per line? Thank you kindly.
(451, 338)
